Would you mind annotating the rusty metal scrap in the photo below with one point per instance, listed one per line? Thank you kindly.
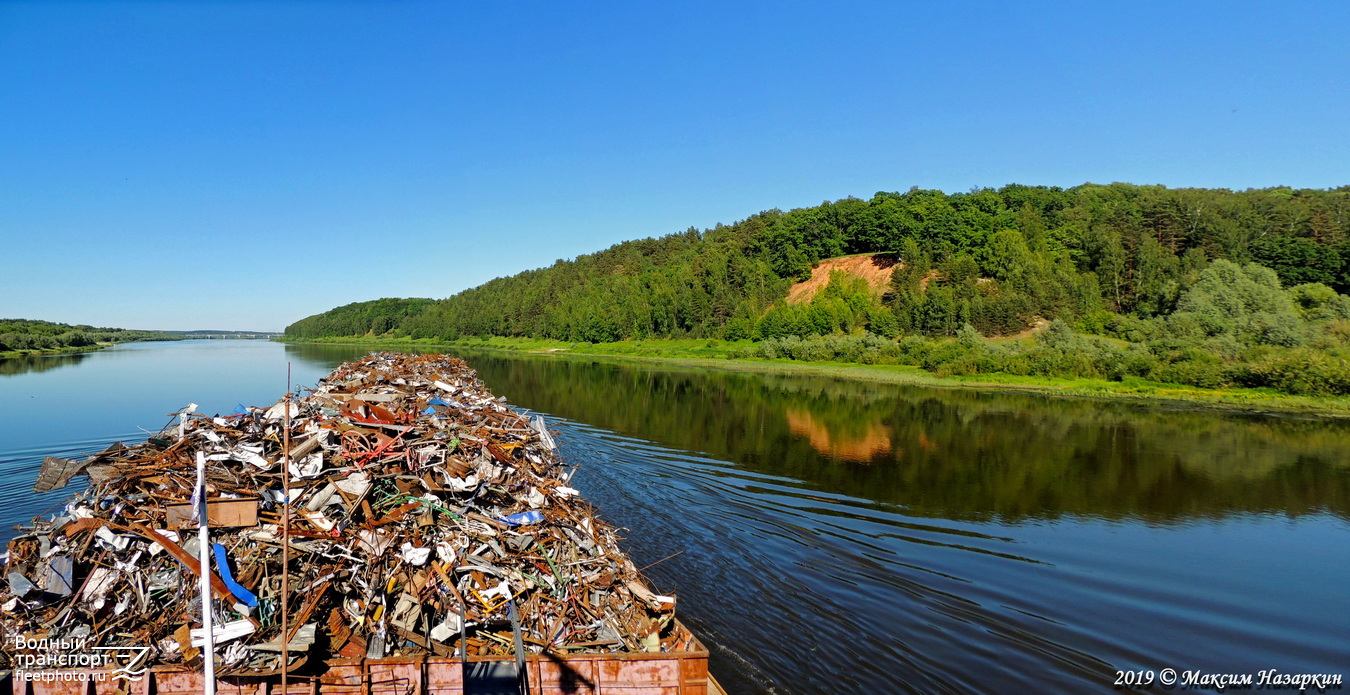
(424, 514)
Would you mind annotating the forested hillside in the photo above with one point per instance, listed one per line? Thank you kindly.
(361, 318)
(1221, 271)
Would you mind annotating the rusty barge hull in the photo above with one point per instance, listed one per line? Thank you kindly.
(665, 673)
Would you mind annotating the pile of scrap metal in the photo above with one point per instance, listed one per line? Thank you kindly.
(426, 518)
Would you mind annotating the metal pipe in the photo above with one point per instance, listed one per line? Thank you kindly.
(204, 557)
(286, 535)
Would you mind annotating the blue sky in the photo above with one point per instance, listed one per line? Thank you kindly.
(241, 165)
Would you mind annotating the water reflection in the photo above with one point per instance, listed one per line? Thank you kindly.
(325, 357)
(23, 364)
(845, 441)
(955, 453)
(947, 453)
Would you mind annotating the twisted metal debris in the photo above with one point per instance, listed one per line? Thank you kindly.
(425, 515)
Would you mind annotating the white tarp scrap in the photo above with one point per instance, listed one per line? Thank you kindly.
(222, 633)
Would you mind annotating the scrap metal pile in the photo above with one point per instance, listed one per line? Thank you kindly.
(424, 516)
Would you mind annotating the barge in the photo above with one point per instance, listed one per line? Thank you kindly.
(398, 530)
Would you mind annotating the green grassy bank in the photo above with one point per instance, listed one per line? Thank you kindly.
(53, 351)
(728, 355)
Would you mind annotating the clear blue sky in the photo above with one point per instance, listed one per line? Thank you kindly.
(241, 165)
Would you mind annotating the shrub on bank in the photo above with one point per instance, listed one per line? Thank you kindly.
(863, 349)
(1060, 352)
(1302, 372)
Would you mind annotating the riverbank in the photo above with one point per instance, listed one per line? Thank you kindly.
(54, 351)
(723, 355)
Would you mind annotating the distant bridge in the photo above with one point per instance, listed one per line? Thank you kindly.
(234, 335)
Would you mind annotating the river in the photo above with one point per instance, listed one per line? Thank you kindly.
(826, 536)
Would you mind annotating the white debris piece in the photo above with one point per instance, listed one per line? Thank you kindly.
(307, 468)
(111, 541)
(97, 586)
(278, 411)
(415, 556)
(251, 455)
(355, 484)
(222, 633)
(448, 628)
(156, 548)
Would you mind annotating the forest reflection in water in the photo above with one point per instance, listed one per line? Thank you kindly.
(24, 364)
(951, 453)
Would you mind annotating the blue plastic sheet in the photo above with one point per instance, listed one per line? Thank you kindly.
(245, 596)
(531, 517)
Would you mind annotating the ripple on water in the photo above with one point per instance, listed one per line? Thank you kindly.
(820, 591)
(19, 469)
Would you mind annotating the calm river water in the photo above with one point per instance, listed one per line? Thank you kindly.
(838, 537)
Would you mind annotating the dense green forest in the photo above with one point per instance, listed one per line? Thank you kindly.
(21, 335)
(1196, 286)
(375, 317)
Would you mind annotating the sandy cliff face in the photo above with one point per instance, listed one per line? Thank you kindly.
(876, 269)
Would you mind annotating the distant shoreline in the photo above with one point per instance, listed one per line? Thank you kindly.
(716, 354)
(9, 354)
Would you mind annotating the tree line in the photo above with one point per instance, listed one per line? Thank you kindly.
(376, 317)
(33, 335)
(1119, 261)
